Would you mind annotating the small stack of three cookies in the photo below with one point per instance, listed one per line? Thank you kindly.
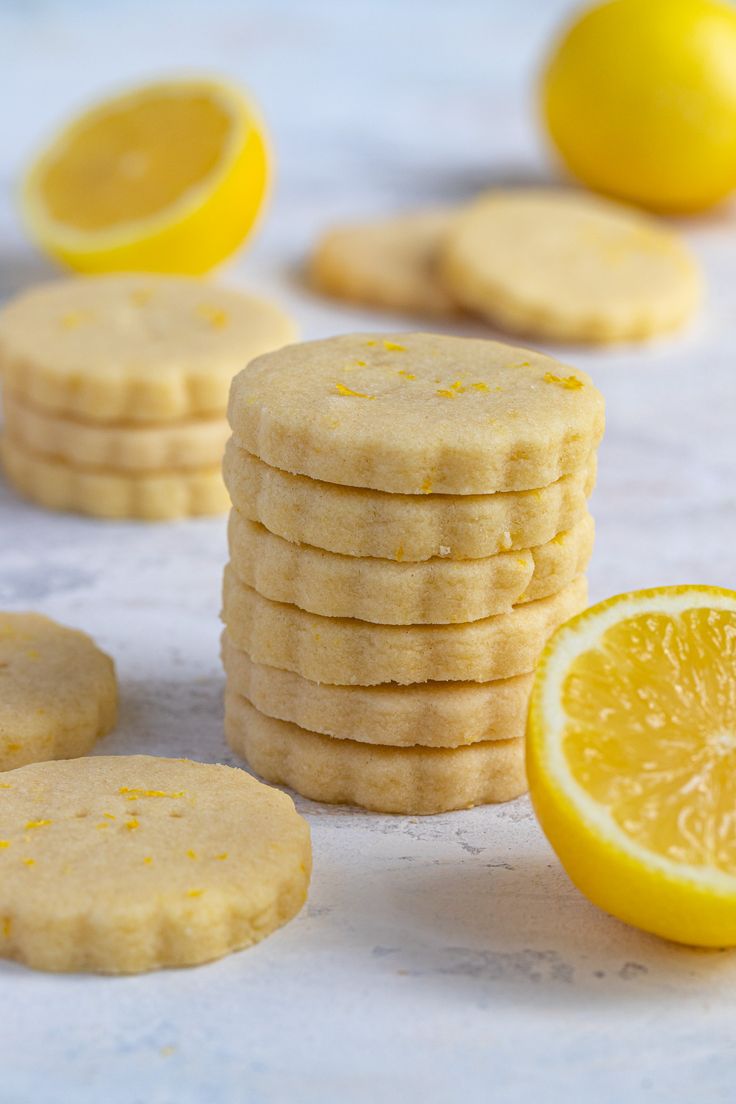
(410, 524)
(115, 390)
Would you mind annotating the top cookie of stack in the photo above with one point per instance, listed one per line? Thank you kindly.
(410, 524)
(115, 390)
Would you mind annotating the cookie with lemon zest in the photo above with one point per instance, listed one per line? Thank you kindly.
(121, 864)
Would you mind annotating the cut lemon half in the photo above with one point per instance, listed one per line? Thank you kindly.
(631, 756)
(169, 177)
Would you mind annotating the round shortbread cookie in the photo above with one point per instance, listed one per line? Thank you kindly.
(417, 414)
(136, 348)
(388, 262)
(408, 528)
(434, 592)
(412, 780)
(58, 692)
(569, 266)
(162, 496)
(344, 651)
(182, 445)
(120, 864)
(431, 714)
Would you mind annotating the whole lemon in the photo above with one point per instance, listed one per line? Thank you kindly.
(639, 97)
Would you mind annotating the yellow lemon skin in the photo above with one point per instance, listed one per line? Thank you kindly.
(677, 907)
(639, 97)
(199, 226)
(614, 882)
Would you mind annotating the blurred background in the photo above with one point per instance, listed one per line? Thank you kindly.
(371, 104)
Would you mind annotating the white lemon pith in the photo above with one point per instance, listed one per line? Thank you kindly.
(632, 759)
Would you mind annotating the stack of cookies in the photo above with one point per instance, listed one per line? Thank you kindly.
(115, 391)
(410, 524)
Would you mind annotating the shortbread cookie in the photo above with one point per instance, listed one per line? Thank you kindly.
(414, 781)
(388, 262)
(569, 266)
(104, 493)
(409, 528)
(58, 692)
(134, 348)
(349, 652)
(431, 714)
(120, 864)
(417, 414)
(434, 592)
(195, 443)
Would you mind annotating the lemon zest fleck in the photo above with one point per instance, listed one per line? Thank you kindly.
(393, 347)
(4, 843)
(195, 893)
(72, 319)
(148, 860)
(426, 487)
(479, 386)
(216, 317)
(343, 390)
(141, 296)
(132, 824)
(191, 854)
(407, 375)
(222, 856)
(37, 823)
(7, 927)
(133, 794)
(445, 394)
(570, 383)
(29, 862)
(399, 553)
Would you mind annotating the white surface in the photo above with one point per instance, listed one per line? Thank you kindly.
(438, 959)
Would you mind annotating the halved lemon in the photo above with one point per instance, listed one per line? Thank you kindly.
(169, 177)
(632, 758)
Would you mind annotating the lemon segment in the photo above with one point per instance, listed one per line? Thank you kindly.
(640, 100)
(168, 178)
(631, 757)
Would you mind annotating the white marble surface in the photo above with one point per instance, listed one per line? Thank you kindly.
(438, 959)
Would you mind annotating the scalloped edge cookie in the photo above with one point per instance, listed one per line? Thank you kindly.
(569, 266)
(411, 528)
(120, 864)
(163, 496)
(58, 691)
(348, 652)
(133, 347)
(384, 592)
(416, 781)
(389, 262)
(430, 714)
(417, 414)
(185, 445)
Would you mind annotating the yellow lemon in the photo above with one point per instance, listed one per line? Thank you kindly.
(631, 753)
(167, 178)
(639, 97)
